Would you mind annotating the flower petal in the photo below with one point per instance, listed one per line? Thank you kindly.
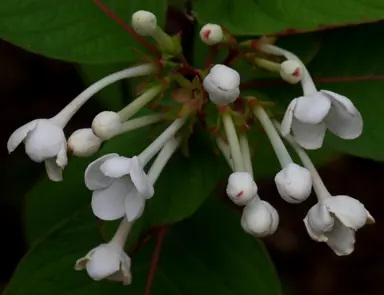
(62, 159)
(104, 262)
(341, 239)
(349, 211)
(54, 172)
(343, 119)
(116, 167)
(309, 136)
(312, 109)
(134, 205)
(44, 141)
(287, 120)
(124, 274)
(318, 221)
(140, 179)
(93, 177)
(316, 236)
(108, 203)
(19, 135)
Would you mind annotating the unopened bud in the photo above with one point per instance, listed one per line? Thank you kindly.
(294, 183)
(106, 125)
(211, 34)
(144, 22)
(222, 84)
(290, 71)
(259, 218)
(83, 143)
(241, 188)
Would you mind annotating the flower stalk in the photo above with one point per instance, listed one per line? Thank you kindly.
(63, 117)
(233, 141)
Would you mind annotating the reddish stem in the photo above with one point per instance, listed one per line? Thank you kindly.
(155, 259)
(232, 57)
(126, 27)
(210, 57)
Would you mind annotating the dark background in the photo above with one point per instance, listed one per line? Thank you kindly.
(32, 86)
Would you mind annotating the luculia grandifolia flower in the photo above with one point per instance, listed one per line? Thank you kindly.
(181, 100)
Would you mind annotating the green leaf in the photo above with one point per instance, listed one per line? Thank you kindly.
(112, 96)
(73, 30)
(198, 255)
(258, 17)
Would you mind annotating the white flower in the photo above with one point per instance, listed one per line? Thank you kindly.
(311, 114)
(106, 125)
(222, 84)
(44, 140)
(84, 143)
(144, 22)
(120, 187)
(334, 220)
(290, 71)
(211, 34)
(107, 261)
(259, 218)
(294, 183)
(241, 188)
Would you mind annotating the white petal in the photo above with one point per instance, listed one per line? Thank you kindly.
(341, 239)
(349, 211)
(316, 236)
(54, 172)
(116, 167)
(140, 179)
(312, 109)
(134, 205)
(287, 120)
(225, 77)
(308, 136)
(93, 177)
(108, 203)
(124, 274)
(344, 119)
(319, 219)
(19, 135)
(104, 262)
(62, 159)
(44, 141)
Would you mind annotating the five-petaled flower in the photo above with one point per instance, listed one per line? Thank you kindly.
(119, 187)
(334, 220)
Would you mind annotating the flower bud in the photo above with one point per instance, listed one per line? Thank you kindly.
(144, 22)
(241, 188)
(211, 34)
(290, 71)
(84, 143)
(294, 183)
(222, 84)
(259, 218)
(106, 125)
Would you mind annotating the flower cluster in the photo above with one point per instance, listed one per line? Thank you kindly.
(121, 186)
